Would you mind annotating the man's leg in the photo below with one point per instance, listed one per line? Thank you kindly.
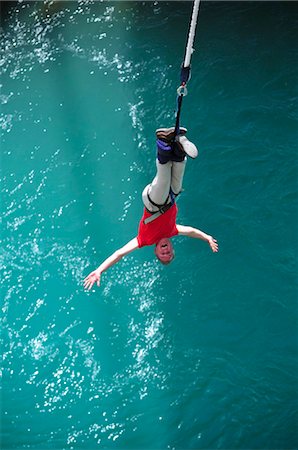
(179, 147)
(157, 192)
(170, 165)
(177, 174)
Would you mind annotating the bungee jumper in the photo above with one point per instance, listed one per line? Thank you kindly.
(158, 223)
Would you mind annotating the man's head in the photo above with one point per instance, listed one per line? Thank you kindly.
(164, 251)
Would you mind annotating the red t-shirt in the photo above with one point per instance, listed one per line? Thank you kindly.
(163, 226)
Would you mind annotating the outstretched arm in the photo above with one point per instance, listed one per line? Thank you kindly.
(110, 261)
(198, 234)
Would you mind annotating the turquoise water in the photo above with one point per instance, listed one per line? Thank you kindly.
(201, 354)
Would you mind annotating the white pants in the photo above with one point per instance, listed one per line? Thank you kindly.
(168, 176)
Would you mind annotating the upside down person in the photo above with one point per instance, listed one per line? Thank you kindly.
(158, 223)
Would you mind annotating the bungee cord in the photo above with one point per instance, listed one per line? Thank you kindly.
(185, 67)
(192, 32)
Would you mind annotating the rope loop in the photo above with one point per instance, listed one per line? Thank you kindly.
(182, 90)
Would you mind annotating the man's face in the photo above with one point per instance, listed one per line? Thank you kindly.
(164, 250)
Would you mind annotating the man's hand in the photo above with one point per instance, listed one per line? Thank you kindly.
(93, 277)
(213, 244)
(198, 234)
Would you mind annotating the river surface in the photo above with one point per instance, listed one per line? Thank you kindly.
(200, 354)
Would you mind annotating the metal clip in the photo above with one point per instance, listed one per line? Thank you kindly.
(182, 90)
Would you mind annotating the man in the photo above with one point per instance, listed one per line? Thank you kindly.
(158, 223)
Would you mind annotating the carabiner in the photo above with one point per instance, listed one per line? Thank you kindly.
(182, 90)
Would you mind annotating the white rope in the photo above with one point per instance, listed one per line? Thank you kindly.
(192, 31)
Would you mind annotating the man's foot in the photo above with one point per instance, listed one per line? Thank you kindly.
(186, 146)
(174, 148)
(164, 151)
(168, 134)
